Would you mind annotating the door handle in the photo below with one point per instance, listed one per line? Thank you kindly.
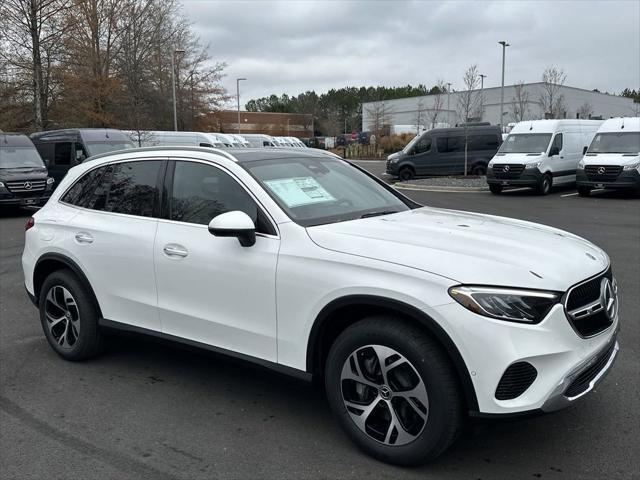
(84, 237)
(173, 250)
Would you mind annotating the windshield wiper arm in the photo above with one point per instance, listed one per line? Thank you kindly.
(378, 214)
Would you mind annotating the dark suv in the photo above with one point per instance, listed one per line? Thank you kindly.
(24, 179)
(441, 152)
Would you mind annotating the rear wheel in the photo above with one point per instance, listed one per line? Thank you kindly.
(544, 188)
(584, 191)
(393, 391)
(406, 173)
(69, 317)
(495, 188)
(479, 170)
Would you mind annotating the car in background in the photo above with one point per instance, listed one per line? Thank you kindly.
(259, 140)
(171, 138)
(296, 142)
(242, 142)
(441, 151)
(227, 140)
(613, 158)
(540, 154)
(24, 180)
(63, 149)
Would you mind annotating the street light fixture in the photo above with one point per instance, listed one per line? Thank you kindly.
(504, 47)
(238, 80)
(173, 87)
(482, 77)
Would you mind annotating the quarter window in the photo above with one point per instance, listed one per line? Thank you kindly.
(450, 144)
(557, 142)
(62, 154)
(202, 192)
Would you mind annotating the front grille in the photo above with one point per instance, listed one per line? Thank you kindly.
(26, 186)
(507, 170)
(515, 380)
(602, 173)
(584, 309)
(582, 381)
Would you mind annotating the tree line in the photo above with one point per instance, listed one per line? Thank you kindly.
(102, 63)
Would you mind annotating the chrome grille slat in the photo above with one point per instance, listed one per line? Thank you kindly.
(19, 186)
(512, 170)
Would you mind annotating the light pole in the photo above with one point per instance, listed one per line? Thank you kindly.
(449, 103)
(482, 77)
(238, 80)
(504, 47)
(173, 88)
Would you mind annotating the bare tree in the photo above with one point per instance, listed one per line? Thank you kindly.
(469, 104)
(438, 103)
(520, 103)
(551, 98)
(585, 111)
(31, 41)
(379, 117)
(420, 116)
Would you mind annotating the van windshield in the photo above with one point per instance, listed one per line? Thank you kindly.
(411, 143)
(96, 148)
(526, 143)
(616, 142)
(19, 157)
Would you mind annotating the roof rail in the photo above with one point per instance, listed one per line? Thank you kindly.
(161, 148)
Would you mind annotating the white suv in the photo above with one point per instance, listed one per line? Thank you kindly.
(412, 317)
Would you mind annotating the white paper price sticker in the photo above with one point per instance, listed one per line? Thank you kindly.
(295, 192)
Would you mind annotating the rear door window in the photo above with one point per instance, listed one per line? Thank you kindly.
(62, 153)
(483, 142)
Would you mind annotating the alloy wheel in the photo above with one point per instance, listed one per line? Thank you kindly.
(384, 395)
(63, 317)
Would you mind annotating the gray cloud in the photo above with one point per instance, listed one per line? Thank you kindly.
(294, 46)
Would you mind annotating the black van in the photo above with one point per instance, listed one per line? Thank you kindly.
(23, 176)
(441, 152)
(63, 149)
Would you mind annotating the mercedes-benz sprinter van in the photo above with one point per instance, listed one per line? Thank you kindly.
(613, 158)
(540, 154)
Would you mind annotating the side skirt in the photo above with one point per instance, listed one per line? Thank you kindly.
(281, 369)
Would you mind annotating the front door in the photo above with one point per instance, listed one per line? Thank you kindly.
(211, 289)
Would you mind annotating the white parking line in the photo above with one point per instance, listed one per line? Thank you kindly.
(569, 194)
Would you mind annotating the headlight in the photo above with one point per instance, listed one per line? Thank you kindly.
(50, 181)
(530, 166)
(581, 164)
(635, 166)
(514, 305)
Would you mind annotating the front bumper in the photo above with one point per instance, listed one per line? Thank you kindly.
(24, 200)
(627, 179)
(528, 178)
(489, 347)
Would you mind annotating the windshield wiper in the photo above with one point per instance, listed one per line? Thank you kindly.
(378, 214)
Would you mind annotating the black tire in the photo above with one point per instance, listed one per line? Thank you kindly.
(406, 173)
(545, 185)
(495, 188)
(584, 191)
(479, 170)
(444, 412)
(88, 340)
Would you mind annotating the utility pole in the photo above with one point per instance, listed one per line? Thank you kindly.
(504, 47)
(482, 96)
(173, 88)
(238, 80)
(449, 103)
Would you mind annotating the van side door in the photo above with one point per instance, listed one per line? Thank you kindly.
(421, 154)
(450, 157)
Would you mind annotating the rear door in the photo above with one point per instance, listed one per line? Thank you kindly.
(113, 237)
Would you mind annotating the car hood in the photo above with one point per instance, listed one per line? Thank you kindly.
(517, 158)
(611, 159)
(468, 248)
(23, 173)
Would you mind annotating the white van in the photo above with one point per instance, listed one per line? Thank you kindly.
(258, 140)
(541, 154)
(242, 142)
(174, 139)
(613, 158)
(296, 142)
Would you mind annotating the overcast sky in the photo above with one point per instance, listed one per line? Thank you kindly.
(294, 46)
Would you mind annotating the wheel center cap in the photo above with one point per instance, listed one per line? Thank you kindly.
(385, 392)
(68, 315)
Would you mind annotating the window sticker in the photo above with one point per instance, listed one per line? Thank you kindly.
(295, 192)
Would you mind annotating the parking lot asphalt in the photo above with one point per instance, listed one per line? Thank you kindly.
(149, 410)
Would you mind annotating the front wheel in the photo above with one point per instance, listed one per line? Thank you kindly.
(394, 391)
(544, 188)
(584, 191)
(479, 170)
(405, 174)
(495, 188)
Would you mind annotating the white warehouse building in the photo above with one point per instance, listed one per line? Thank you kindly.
(577, 103)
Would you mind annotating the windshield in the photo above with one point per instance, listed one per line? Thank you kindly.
(96, 148)
(19, 157)
(616, 142)
(526, 143)
(316, 191)
(411, 143)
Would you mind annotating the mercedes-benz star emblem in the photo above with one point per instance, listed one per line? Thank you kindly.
(601, 170)
(506, 168)
(608, 298)
(27, 185)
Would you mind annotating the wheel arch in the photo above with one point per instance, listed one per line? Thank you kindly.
(51, 262)
(330, 323)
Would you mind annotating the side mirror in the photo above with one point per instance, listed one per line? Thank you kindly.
(234, 224)
(584, 150)
(554, 151)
